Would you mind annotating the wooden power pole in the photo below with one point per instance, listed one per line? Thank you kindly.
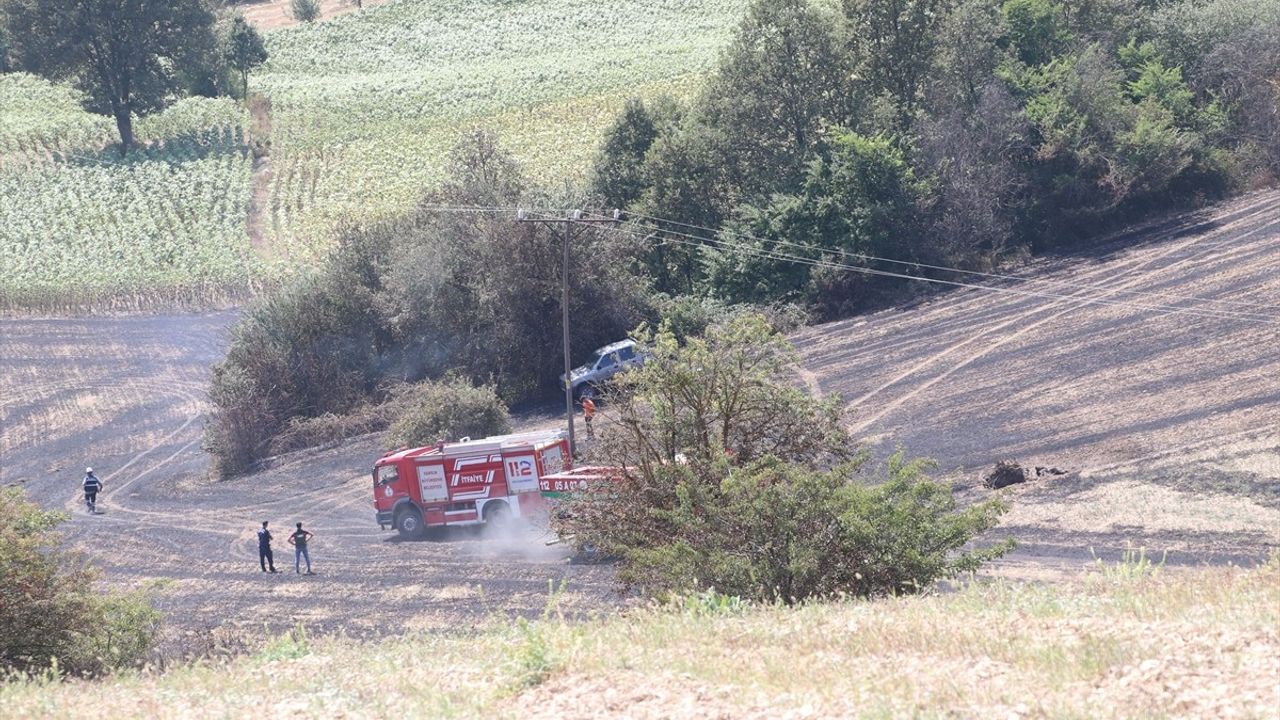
(571, 220)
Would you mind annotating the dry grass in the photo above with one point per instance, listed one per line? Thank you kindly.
(1128, 641)
(1103, 507)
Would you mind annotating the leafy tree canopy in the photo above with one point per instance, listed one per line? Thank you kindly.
(128, 56)
(243, 49)
(731, 477)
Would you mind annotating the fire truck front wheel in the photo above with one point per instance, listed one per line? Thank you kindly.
(409, 522)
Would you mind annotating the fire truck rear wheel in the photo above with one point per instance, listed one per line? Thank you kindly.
(409, 523)
(497, 515)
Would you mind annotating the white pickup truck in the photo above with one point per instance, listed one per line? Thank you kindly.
(605, 362)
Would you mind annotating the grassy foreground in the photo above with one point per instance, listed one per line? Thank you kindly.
(1126, 641)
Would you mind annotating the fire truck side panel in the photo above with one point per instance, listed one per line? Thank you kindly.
(432, 484)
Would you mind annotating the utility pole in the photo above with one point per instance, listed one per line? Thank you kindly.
(571, 220)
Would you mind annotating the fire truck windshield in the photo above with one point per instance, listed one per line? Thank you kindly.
(387, 474)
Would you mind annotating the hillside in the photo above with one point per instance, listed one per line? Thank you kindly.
(361, 110)
(968, 378)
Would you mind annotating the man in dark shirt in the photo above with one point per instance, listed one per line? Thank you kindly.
(92, 485)
(264, 549)
(298, 539)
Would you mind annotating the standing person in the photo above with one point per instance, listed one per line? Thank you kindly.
(298, 539)
(589, 414)
(92, 486)
(264, 549)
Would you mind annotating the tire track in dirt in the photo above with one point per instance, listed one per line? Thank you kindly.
(982, 334)
(907, 330)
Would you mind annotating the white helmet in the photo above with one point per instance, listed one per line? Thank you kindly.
(88, 470)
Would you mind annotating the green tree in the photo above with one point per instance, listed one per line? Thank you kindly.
(1229, 52)
(305, 10)
(1037, 28)
(731, 477)
(862, 197)
(618, 174)
(782, 77)
(243, 49)
(897, 41)
(128, 56)
(968, 53)
(688, 176)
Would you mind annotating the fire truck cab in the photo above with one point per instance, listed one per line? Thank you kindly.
(490, 480)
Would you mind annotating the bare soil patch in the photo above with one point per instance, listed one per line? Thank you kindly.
(272, 14)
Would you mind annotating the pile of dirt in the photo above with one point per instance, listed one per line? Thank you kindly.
(1004, 474)
(1009, 472)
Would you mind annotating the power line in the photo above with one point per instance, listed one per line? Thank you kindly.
(700, 241)
(868, 258)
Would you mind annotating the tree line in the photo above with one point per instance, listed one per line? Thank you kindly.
(950, 132)
(131, 57)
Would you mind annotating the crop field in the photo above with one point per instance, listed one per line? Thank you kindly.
(366, 107)
(363, 111)
(79, 224)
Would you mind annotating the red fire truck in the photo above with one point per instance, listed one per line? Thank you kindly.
(490, 480)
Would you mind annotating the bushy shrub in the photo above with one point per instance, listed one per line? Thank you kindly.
(781, 532)
(301, 433)
(50, 613)
(732, 478)
(305, 10)
(687, 316)
(448, 410)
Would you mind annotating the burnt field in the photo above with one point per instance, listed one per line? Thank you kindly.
(127, 396)
(1148, 368)
(1163, 410)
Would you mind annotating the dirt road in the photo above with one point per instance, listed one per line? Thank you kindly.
(1165, 409)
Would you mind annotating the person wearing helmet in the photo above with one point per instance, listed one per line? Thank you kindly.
(92, 485)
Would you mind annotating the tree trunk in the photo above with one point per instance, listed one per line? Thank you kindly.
(124, 123)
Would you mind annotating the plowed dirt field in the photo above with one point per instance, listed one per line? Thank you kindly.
(1148, 368)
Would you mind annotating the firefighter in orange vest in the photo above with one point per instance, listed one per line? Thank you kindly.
(588, 414)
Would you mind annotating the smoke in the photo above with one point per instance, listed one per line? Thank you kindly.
(522, 539)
